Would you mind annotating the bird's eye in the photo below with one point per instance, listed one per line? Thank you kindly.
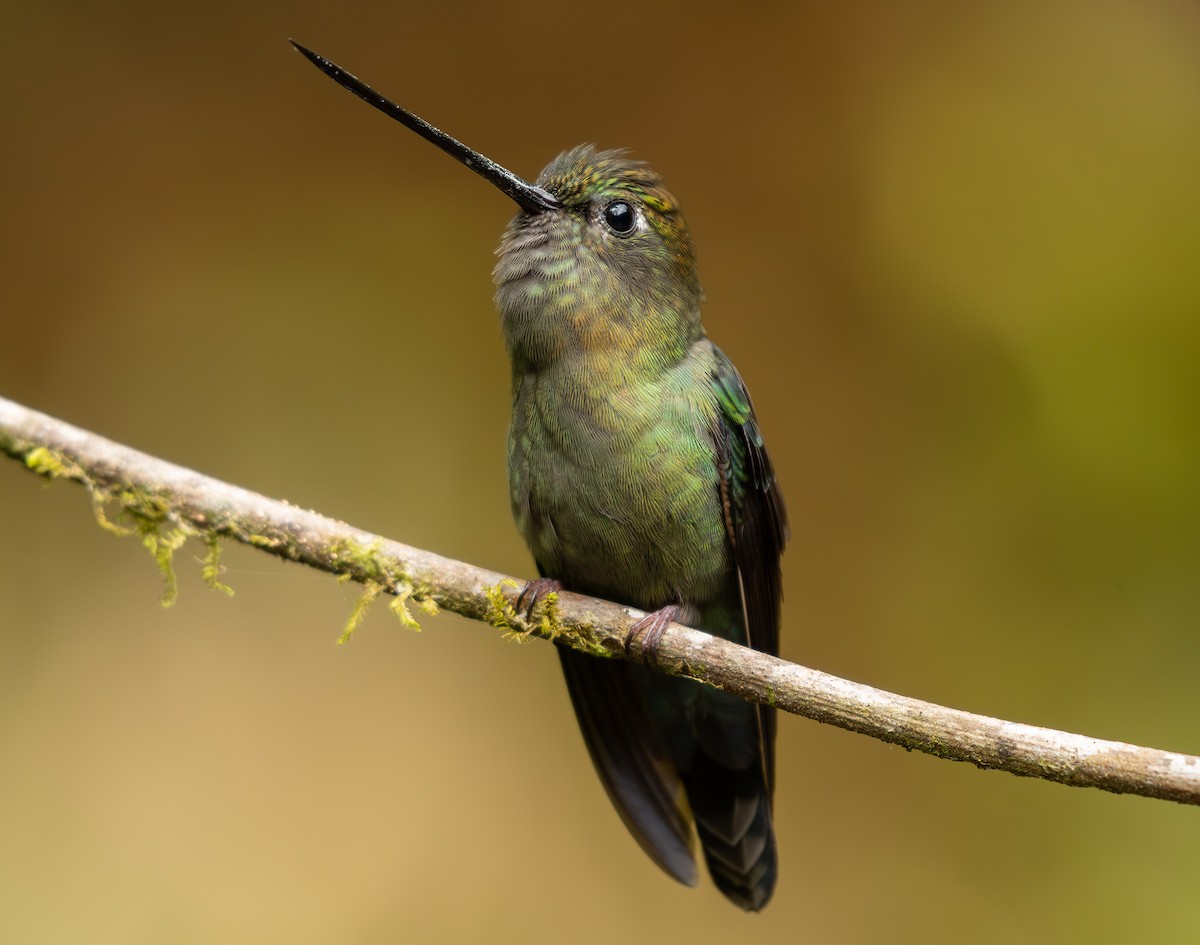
(620, 217)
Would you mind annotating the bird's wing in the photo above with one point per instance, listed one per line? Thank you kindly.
(755, 519)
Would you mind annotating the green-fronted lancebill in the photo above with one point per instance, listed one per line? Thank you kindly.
(637, 473)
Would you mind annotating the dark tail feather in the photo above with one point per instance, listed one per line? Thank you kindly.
(631, 760)
(722, 752)
(733, 816)
(723, 748)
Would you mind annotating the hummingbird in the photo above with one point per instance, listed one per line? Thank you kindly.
(637, 473)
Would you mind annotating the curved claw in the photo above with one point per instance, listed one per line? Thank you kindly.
(535, 591)
(650, 630)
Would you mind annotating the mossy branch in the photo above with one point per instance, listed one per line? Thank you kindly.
(165, 504)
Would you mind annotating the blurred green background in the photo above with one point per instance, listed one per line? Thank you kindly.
(953, 249)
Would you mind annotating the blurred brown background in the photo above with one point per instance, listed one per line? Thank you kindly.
(953, 248)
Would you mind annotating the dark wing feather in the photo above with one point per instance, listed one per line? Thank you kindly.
(755, 521)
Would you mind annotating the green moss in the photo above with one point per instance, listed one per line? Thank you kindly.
(399, 607)
(370, 591)
(365, 563)
(585, 636)
(46, 462)
(548, 615)
(546, 621)
(135, 512)
(210, 567)
(368, 564)
(129, 511)
(162, 546)
(501, 615)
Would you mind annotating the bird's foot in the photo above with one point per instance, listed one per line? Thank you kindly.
(533, 592)
(650, 630)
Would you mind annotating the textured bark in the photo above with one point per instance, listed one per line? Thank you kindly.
(160, 496)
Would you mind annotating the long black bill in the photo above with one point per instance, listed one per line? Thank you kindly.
(530, 198)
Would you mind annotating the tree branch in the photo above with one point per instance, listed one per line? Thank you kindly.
(165, 503)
